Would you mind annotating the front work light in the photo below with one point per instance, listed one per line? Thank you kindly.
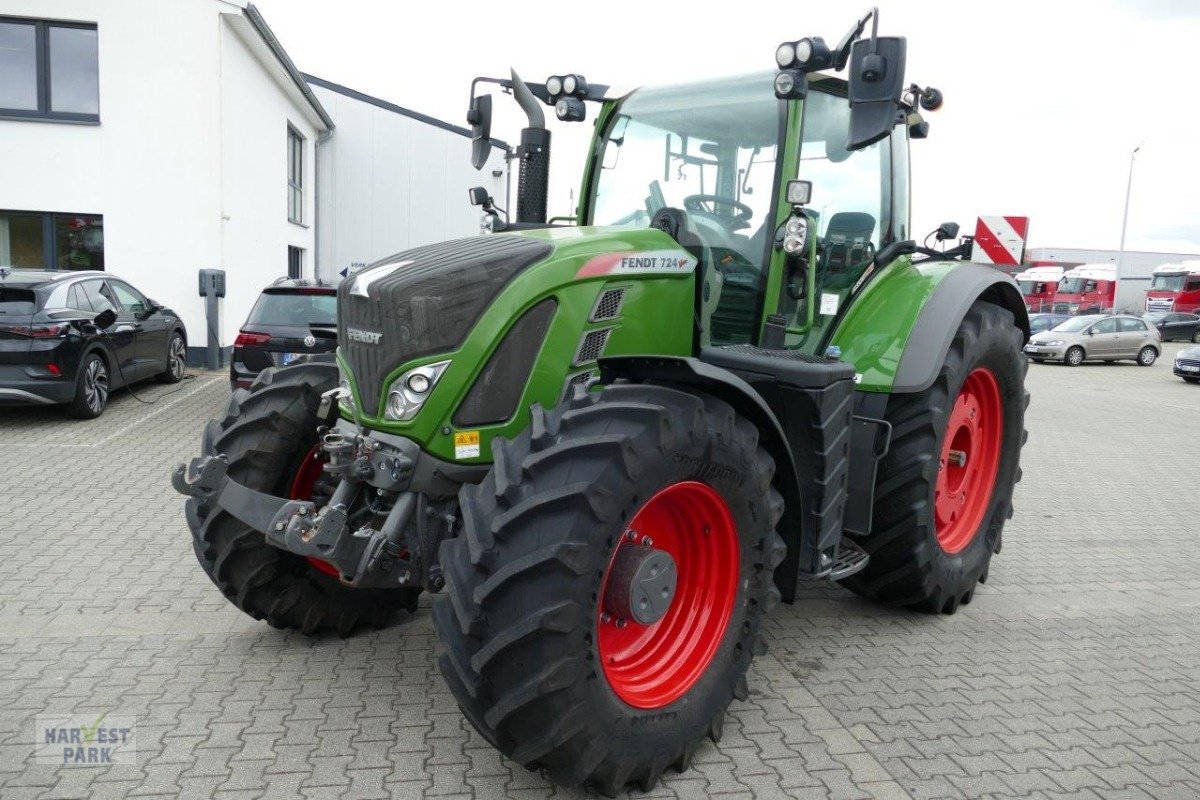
(791, 85)
(554, 85)
(799, 193)
(570, 109)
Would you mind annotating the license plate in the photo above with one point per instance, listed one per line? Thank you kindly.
(1031, 349)
(288, 358)
(1186, 368)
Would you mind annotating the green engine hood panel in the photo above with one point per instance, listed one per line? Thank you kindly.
(654, 316)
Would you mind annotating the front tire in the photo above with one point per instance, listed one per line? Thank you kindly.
(268, 433)
(176, 360)
(944, 489)
(534, 652)
(1073, 356)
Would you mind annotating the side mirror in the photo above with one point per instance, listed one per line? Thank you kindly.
(105, 318)
(876, 84)
(947, 230)
(479, 117)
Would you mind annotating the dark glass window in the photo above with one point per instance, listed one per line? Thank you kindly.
(130, 298)
(295, 265)
(295, 150)
(74, 70)
(18, 66)
(298, 309)
(22, 239)
(79, 241)
(49, 70)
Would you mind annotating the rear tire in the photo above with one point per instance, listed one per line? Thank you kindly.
(1147, 356)
(914, 562)
(91, 388)
(1073, 356)
(266, 433)
(524, 640)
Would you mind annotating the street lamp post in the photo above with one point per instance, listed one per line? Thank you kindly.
(1124, 226)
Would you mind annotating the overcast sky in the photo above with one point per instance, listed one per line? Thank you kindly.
(1044, 100)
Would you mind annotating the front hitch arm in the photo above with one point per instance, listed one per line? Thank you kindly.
(363, 559)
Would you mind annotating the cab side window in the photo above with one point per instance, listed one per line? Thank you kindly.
(1131, 325)
(1090, 286)
(129, 298)
(98, 296)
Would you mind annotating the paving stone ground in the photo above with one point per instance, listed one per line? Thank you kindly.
(1074, 673)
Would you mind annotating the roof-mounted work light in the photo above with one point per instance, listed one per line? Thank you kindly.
(808, 54)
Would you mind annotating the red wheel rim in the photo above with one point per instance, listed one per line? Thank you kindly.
(969, 461)
(305, 479)
(650, 666)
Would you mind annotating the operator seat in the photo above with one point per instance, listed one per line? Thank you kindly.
(847, 248)
(675, 223)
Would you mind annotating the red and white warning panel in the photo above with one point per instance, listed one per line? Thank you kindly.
(1000, 240)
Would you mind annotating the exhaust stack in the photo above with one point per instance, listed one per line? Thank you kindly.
(533, 185)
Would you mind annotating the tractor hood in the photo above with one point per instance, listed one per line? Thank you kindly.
(424, 301)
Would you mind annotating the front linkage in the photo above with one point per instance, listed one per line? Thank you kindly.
(372, 469)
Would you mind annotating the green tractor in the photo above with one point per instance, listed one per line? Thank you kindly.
(610, 446)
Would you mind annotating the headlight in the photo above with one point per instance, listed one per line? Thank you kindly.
(554, 85)
(570, 84)
(410, 391)
(347, 399)
(1054, 343)
(804, 50)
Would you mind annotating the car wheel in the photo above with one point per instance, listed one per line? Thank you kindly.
(91, 388)
(1074, 357)
(1147, 356)
(176, 360)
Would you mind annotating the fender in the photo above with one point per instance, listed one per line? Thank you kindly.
(944, 311)
(724, 385)
(897, 332)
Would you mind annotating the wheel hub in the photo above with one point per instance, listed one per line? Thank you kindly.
(641, 585)
(969, 461)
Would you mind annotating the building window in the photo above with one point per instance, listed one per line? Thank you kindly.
(295, 150)
(36, 240)
(295, 262)
(49, 70)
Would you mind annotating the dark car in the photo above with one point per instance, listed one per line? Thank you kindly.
(292, 319)
(72, 337)
(1175, 325)
(1187, 364)
(1044, 322)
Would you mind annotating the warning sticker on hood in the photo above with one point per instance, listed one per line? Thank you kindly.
(466, 444)
(645, 262)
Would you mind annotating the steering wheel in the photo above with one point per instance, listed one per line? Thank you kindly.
(708, 204)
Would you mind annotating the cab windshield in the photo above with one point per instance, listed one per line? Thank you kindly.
(1076, 324)
(1168, 283)
(1074, 286)
(706, 149)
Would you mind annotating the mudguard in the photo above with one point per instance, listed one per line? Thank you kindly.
(725, 385)
(897, 331)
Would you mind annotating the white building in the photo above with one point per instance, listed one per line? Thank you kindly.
(152, 139)
(1136, 265)
(155, 138)
(392, 178)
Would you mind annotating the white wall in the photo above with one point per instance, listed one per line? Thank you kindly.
(192, 127)
(256, 232)
(388, 182)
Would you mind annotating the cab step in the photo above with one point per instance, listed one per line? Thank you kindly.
(850, 559)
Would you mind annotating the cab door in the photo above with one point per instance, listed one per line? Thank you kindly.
(1104, 340)
(121, 336)
(150, 329)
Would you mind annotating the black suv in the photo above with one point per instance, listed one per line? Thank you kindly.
(292, 319)
(72, 337)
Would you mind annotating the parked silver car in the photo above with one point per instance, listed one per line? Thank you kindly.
(1097, 337)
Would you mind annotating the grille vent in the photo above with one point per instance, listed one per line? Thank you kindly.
(591, 346)
(608, 306)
